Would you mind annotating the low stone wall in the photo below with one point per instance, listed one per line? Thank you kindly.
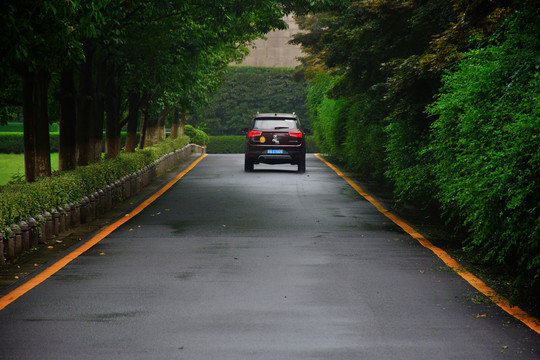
(45, 227)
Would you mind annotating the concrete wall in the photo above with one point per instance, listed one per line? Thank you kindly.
(275, 51)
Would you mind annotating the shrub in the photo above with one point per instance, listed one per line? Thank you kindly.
(18, 127)
(11, 142)
(18, 201)
(485, 144)
(197, 136)
(227, 144)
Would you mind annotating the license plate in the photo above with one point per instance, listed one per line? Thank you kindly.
(275, 151)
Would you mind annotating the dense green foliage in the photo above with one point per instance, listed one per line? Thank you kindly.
(20, 200)
(197, 136)
(226, 144)
(18, 127)
(440, 101)
(95, 66)
(485, 145)
(345, 128)
(247, 90)
(13, 142)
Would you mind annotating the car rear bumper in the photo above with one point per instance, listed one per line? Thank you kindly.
(290, 156)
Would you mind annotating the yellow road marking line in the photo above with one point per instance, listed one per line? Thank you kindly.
(51, 270)
(478, 284)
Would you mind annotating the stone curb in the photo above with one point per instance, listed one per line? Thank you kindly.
(44, 228)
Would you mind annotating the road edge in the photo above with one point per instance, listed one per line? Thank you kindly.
(499, 300)
(25, 287)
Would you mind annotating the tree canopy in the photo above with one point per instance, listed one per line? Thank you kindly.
(102, 63)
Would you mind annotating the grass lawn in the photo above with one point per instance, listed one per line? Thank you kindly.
(12, 165)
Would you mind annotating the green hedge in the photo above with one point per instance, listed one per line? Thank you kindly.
(485, 146)
(226, 144)
(471, 154)
(13, 142)
(18, 201)
(197, 136)
(234, 144)
(18, 127)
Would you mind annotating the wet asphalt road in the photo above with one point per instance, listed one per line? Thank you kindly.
(265, 265)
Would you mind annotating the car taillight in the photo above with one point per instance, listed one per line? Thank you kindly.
(254, 133)
(297, 134)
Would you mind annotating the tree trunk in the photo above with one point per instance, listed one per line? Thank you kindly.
(112, 108)
(151, 130)
(29, 127)
(183, 123)
(98, 115)
(144, 124)
(161, 132)
(84, 116)
(37, 151)
(67, 159)
(43, 147)
(98, 119)
(133, 117)
(175, 124)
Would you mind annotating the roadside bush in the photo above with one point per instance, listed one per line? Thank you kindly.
(311, 145)
(227, 144)
(18, 201)
(363, 146)
(348, 129)
(18, 127)
(197, 136)
(13, 142)
(485, 145)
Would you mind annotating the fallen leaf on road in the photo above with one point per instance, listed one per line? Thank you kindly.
(50, 247)
(480, 316)
(102, 254)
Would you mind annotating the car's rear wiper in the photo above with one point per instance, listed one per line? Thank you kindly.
(281, 127)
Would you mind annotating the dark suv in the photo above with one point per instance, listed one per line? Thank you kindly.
(275, 139)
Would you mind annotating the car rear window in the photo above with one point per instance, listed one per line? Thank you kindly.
(274, 124)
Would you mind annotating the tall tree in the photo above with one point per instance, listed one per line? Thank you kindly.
(35, 37)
